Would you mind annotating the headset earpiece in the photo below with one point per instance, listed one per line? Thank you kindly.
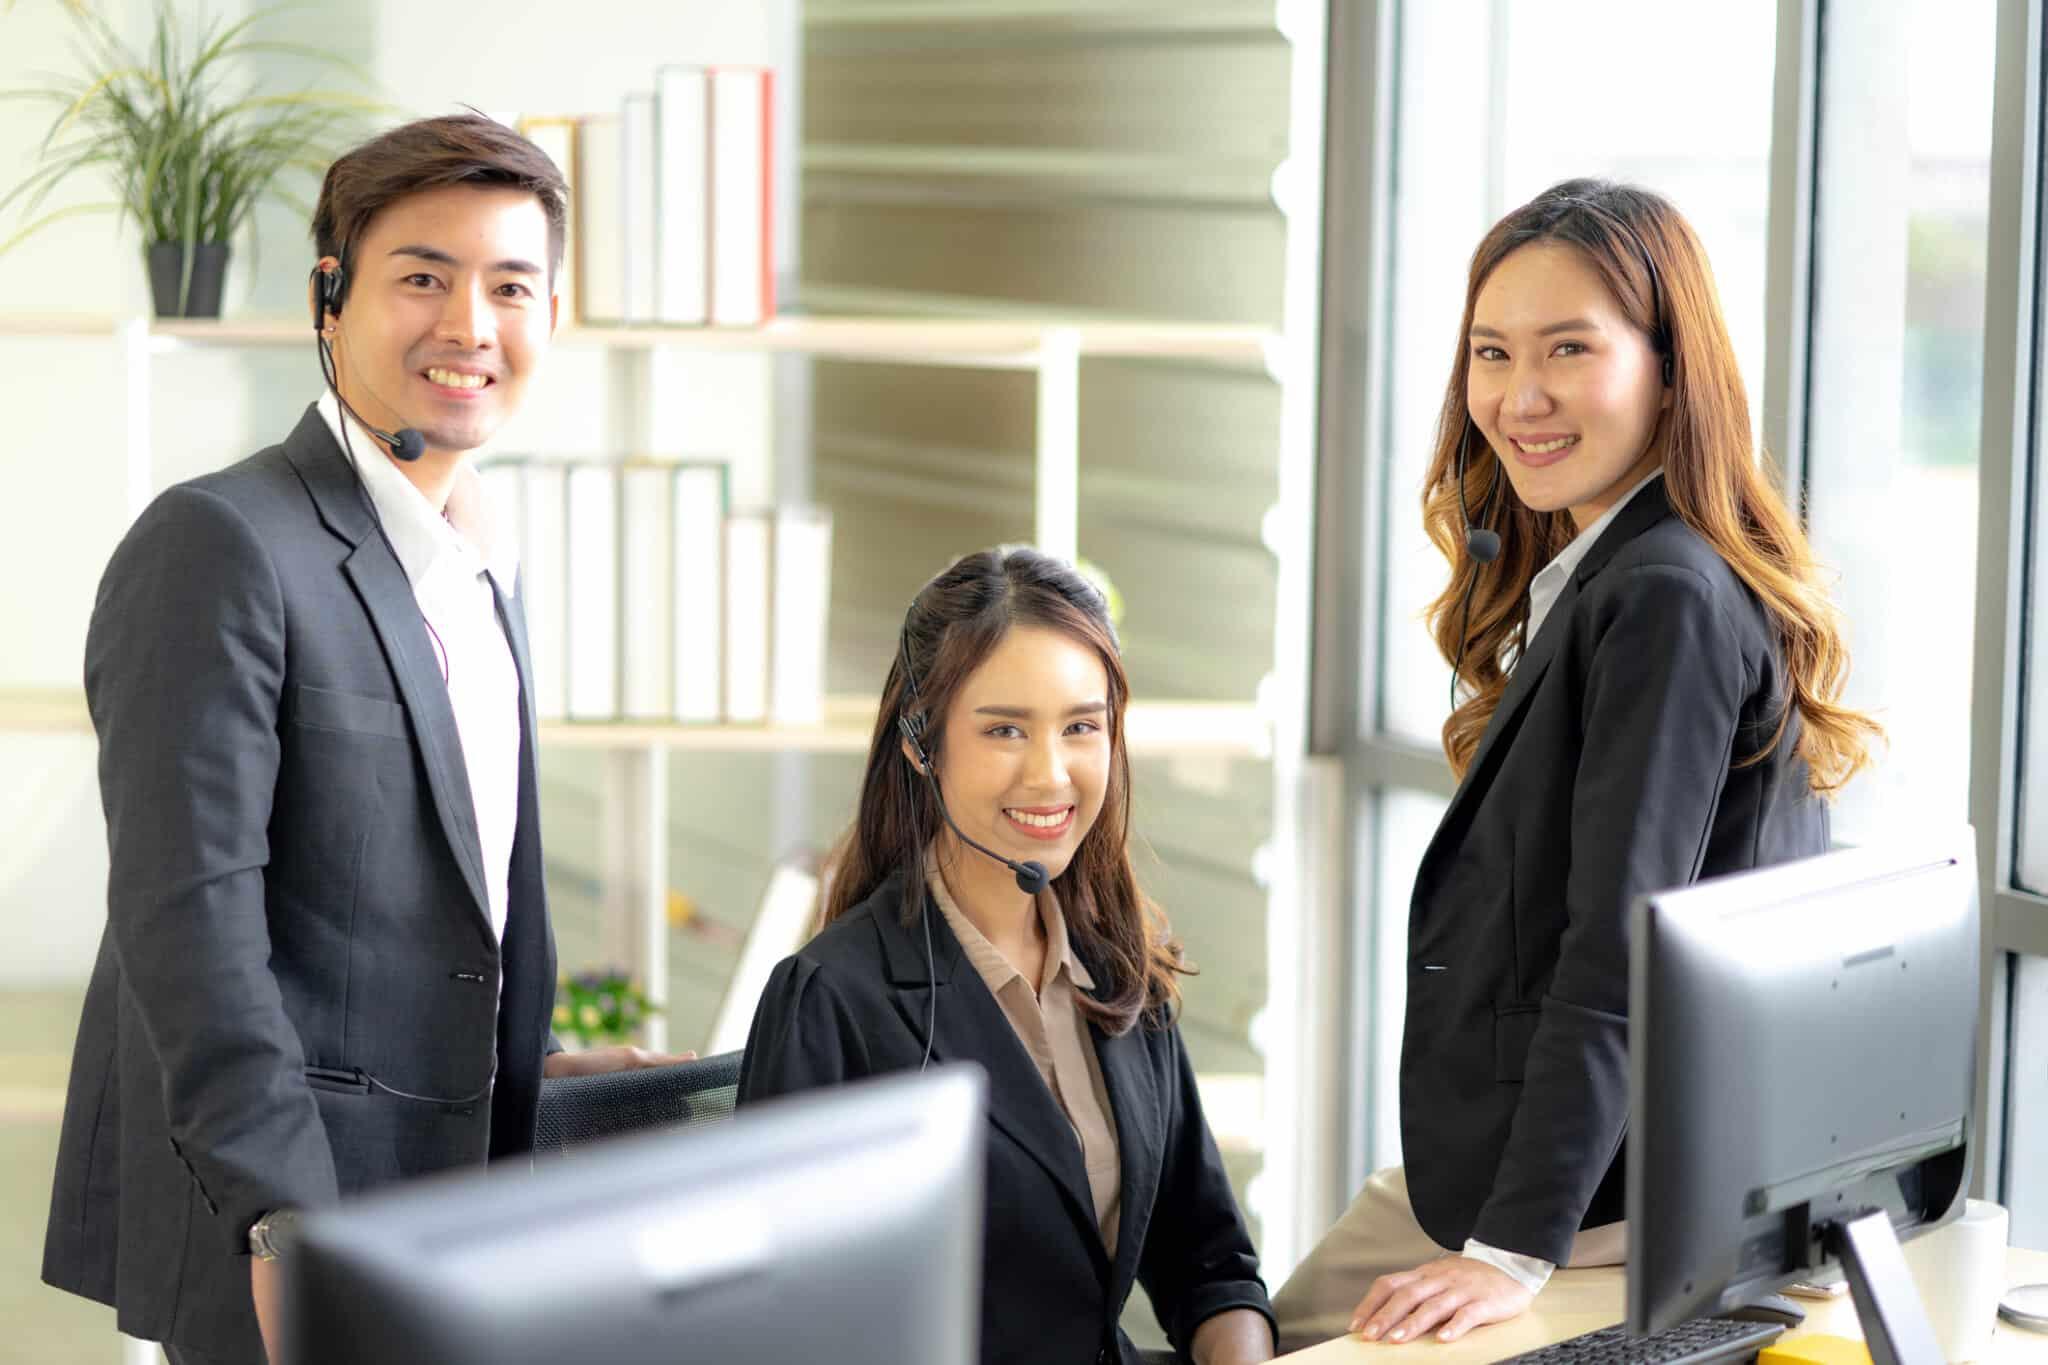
(326, 293)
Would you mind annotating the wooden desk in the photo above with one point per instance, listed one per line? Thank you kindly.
(1578, 1301)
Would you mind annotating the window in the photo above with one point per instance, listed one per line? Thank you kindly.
(1497, 102)
(1896, 384)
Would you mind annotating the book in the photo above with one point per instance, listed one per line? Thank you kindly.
(683, 194)
(556, 136)
(699, 495)
(742, 194)
(601, 234)
(646, 582)
(543, 582)
(636, 205)
(748, 631)
(593, 592)
(803, 587)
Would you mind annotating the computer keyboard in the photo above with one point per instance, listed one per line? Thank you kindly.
(1700, 1341)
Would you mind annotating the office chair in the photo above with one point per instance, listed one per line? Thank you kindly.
(579, 1109)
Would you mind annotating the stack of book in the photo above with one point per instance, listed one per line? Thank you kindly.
(649, 598)
(671, 219)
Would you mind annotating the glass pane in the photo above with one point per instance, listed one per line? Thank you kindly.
(1407, 820)
(1499, 99)
(2026, 1105)
(1897, 382)
(2031, 839)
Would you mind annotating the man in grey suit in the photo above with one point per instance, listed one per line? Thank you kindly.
(327, 963)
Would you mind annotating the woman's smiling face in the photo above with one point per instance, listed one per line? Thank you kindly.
(1565, 388)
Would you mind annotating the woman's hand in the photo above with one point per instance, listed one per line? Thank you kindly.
(599, 1060)
(1450, 1295)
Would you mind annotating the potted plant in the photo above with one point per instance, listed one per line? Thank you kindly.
(598, 1008)
(189, 158)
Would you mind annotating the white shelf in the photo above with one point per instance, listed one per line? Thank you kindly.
(1094, 18)
(980, 342)
(1159, 729)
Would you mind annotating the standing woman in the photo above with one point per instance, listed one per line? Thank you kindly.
(998, 762)
(1650, 671)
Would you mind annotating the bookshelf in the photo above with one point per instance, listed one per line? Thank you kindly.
(1156, 729)
(981, 343)
(1050, 348)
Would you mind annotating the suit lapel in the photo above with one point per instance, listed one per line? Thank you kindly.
(1647, 508)
(1133, 1088)
(394, 614)
(973, 1028)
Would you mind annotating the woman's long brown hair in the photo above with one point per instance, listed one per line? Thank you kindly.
(956, 622)
(1653, 265)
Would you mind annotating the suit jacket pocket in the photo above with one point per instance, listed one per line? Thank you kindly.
(337, 1082)
(1513, 1028)
(326, 709)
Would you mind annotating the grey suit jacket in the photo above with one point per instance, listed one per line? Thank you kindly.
(296, 901)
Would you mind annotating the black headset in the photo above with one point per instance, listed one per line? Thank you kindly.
(1482, 544)
(1032, 876)
(329, 286)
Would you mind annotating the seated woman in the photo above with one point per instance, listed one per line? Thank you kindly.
(998, 764)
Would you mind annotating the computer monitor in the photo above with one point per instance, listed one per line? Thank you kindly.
(843, 1225)
(1802, 1058)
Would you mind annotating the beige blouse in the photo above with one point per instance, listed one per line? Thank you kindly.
(1049, 1023)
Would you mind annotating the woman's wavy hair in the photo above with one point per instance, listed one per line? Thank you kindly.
(955, 622)
(1647, 255)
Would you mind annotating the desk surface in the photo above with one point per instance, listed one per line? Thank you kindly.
(1578, 1301)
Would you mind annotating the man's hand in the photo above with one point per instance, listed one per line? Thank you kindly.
(1450, 1295)
(599, 1060)
(266, 1286)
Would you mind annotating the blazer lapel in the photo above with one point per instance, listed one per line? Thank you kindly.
(973, 1028)
(394, 613)
(1647, 508)
(1133, 1089)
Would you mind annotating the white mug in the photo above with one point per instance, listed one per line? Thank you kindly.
(1960, 1272)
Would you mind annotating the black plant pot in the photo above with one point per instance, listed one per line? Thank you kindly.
(167, 279)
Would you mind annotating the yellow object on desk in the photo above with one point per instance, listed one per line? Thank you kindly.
(1815, 1348)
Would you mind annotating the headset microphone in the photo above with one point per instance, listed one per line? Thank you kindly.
(1484, 547)
(1031, 875)
(407, 443)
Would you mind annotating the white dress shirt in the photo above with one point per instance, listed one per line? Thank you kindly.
(1548, 584)
(1604, 1245)
(451, 560)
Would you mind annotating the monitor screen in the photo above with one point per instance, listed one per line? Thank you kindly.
(842, 1225)
(1802, 1051)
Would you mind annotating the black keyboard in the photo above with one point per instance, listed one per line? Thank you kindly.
(1701, 1341)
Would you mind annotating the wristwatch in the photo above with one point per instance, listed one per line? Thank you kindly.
(271, 1236)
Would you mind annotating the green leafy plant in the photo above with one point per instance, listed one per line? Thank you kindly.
(600, 1007)
(188, 157)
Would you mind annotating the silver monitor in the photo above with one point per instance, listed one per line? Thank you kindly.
(843, 1225)
(1803, 1060)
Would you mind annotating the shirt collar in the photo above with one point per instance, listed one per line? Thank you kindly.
(421, 536)
(986, 957)
(1553, 574)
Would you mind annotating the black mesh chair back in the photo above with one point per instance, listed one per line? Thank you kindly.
(579, 1109)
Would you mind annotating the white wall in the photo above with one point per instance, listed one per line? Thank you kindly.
(63, 459)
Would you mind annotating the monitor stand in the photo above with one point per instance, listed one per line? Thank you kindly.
(1895, 1325)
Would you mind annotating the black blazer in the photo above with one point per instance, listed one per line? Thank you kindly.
(854, 1002)
(1610, 769)
(295, 894)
